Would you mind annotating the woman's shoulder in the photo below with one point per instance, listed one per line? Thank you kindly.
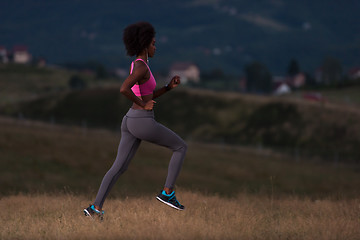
(140, 67)
(140, 64)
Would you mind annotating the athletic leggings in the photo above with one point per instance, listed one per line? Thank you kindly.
(140, 125)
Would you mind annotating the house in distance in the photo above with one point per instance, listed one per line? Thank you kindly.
(187, 71)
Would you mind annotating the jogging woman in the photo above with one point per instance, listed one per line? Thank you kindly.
(139, 124)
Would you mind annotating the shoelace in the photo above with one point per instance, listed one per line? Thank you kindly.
(173, 199)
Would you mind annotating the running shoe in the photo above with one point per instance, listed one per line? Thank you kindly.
(92, 212)
(170, 200)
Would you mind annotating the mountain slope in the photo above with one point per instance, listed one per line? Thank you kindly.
(213, 34)
(288, 125)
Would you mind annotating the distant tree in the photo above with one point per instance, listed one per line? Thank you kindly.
(310, 80)
(214, 74)
(258, 78)
(101, 72)
(332, 71)
(98, 68)
(293, 68)
(77, 83)
(217, 73)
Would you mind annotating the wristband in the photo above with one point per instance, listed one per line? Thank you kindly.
(167, 87)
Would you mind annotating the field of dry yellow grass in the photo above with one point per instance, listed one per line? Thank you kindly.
(51, 172)
(206, 217)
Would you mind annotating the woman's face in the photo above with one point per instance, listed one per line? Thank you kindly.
(152, 48)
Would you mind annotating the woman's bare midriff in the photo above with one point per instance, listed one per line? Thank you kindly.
(145, 98)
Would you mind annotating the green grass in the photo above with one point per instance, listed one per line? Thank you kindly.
(39, 157)
(287, 124)
(22, 82)
(26, 82)
(349, 96)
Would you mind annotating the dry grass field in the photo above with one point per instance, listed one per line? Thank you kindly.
(50, 173)
(206, 217)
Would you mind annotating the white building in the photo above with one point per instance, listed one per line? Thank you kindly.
(186, 71)
(21, 54)
(282, 89)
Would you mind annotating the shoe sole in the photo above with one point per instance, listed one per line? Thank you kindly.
(169, 204)
(87, 214)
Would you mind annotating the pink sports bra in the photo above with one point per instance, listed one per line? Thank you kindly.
(147, 87)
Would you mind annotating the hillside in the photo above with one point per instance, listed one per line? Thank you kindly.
(46, 158)
(213, 34)
(50, 172)
(305, 129)
(21, 83)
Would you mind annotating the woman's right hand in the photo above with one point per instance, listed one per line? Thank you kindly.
(149, 105)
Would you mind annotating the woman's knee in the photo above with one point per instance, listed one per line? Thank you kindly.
(182, 147)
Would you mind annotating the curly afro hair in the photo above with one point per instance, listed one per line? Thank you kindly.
(137, 37)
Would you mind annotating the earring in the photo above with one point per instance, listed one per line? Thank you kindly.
(147, 56)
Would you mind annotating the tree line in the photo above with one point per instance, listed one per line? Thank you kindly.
(259, 79)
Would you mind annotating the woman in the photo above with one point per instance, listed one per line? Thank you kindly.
(139, 124)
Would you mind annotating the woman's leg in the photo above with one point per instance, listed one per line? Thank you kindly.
(126, 151)
(149, 130)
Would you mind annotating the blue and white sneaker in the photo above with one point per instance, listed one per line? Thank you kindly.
(92, 212)
(170, 200)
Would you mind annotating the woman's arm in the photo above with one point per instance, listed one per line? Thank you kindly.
(138, 74)
(174, 82)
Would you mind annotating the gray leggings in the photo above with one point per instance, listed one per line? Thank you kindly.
(140, 125)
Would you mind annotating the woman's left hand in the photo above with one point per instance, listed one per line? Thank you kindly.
(175, 81)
